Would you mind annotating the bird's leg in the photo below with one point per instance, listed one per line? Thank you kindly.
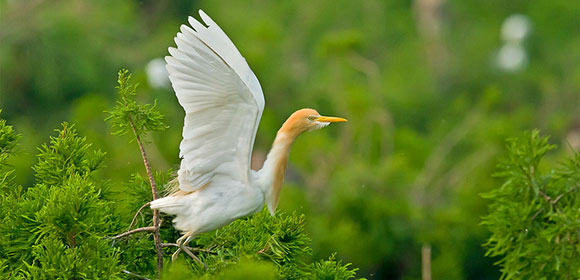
(180, 245)
(183, 246)
(188, 252)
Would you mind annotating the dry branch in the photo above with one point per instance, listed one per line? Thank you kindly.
(150, 229)
(136, 214)
(156, 221)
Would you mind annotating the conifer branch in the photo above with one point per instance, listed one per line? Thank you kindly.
(550, 235)
(555, 200)
(141, 119)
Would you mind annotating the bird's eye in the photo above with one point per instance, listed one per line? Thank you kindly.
(311, 118)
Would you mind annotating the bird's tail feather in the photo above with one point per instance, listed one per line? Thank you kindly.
(171, 205)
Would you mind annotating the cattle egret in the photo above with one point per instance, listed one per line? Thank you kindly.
(223, 103)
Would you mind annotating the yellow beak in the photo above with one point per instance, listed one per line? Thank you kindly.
(330, 119)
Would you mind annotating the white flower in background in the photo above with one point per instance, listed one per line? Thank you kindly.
(515, 28)
(512, 56)
(157, 75)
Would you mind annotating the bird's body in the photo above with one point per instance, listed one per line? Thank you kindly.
(212, 207)
(223, 102)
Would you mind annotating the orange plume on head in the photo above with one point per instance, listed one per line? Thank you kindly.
(297, 122)
(300, 121)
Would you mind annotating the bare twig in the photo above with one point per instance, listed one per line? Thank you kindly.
(150, 229)
(552, 201)
(138, 211)
(426, 262)
(430, 26)
(145, 161)
(561, 195)
(548, 198)
(156, 221)
(536, 214)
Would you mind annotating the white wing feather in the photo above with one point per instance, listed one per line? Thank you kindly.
(223, 104)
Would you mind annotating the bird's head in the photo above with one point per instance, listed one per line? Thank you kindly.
(307, 120)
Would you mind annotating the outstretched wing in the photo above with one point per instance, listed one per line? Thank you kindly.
(223, 104)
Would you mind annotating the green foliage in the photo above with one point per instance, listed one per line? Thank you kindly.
(137, 251)
(533, 216)
(259, 246)
(67, 154)
(332, 269)
(128, 116)
(428, 113)
(280, 239)
(93, 258)
(55, 228)
(245, 267)
(73, 210)
(8, 139)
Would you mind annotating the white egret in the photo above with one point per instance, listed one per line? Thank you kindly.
(223, 103)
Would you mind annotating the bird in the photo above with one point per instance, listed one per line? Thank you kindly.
(223, 103)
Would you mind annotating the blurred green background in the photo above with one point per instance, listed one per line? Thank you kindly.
(431, 89)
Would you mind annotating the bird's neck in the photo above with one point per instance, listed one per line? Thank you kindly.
(272, 173)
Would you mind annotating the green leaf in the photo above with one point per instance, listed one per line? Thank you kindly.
(128, 116)
(533, 216)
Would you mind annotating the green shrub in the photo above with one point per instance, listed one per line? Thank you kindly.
(56, 228)
(534, 215)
